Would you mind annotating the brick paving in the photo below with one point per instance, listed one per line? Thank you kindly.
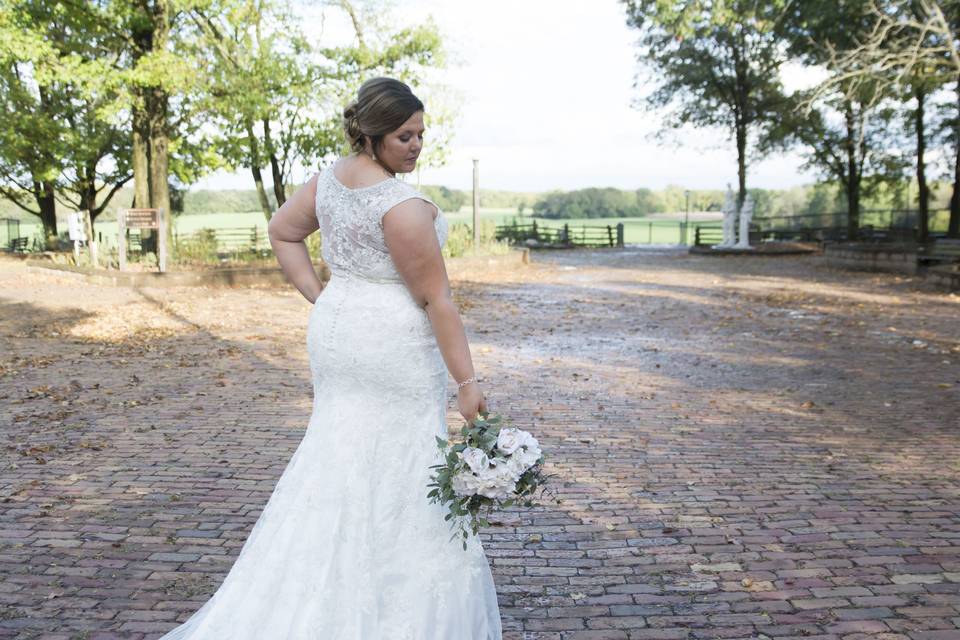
(742, 447)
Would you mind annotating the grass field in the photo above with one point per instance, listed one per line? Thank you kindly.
(636, 230)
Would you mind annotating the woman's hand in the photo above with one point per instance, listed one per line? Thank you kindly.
(470, 401)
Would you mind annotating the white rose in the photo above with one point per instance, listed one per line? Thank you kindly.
(517, 464)
(508, 440)
(527, 440)
(465, 483)
(476, 459)
(497, 491)
(498, 481)
(530, 449)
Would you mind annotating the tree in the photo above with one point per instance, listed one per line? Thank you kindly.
(155, 79)
(588, 203)
(648, 202)
(716, 65)
(846, 126)
(909, 39)
(57, 144)
(30, 139)
(97, 150)
(919, 88)
(260, 78)
(276, 97)
(409, 54)
(447, 199)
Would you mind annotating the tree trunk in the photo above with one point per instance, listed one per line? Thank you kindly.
(44, 194)
(953, 229)
(741, 164)
(261, 192)
(140, 129)
(88, 191)
(157, 119)
(923, 196)
(255, 169)
(279, 189)
(141, 158)
(143, 43)
(853, 174)
(159, 152)
(738, 48)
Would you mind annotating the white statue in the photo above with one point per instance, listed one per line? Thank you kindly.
(746, 215)
(729, 220)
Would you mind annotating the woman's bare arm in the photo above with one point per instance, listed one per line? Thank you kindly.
(288, 227)
(410, 236)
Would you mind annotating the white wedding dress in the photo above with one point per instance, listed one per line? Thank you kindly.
(348, 547)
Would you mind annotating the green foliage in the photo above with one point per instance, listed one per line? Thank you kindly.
(31, 137)
(447, 199)
(596, 203)
(460, 240)
(224, 84)
(197, 248)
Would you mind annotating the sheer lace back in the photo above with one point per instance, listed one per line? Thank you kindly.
(351, 225)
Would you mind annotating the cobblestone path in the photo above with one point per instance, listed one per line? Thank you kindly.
(742, 448)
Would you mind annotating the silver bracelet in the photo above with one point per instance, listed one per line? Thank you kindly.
(467, 381)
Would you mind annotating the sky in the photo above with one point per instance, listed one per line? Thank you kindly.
(544, 91)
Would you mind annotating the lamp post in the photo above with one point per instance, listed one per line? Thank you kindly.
(686, 217)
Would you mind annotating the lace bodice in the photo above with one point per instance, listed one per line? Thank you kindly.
(351, 225)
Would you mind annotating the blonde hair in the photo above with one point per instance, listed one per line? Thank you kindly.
(382, 105)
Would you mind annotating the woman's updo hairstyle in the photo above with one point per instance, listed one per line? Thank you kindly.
(382, 105)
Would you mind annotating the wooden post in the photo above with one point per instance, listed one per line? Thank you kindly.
(619, 234)
(610, 235)
(122, 239)
(162, 240)
(476, 203)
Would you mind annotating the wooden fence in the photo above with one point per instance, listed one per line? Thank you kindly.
(229, 239)
(707, 235)
(565, 236)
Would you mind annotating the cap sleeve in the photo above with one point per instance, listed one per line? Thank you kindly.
(401, 192)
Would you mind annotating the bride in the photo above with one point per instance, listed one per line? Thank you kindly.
(349, 547)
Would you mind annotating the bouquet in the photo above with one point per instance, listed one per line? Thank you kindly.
(495, 465)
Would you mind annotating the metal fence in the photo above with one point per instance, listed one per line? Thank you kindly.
(873, 225)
